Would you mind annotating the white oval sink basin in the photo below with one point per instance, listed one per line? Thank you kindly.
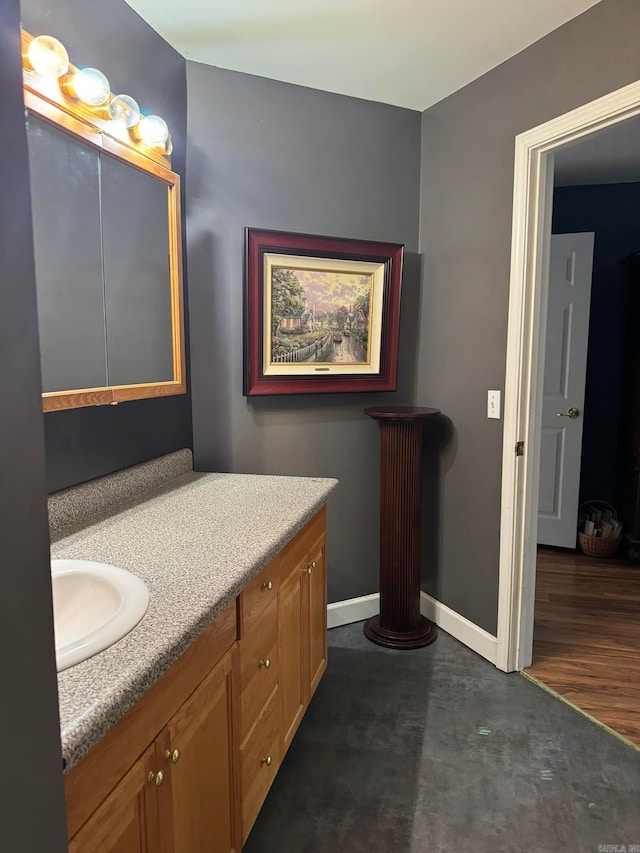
(94, 606)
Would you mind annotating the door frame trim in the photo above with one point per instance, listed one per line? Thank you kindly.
(531, 231)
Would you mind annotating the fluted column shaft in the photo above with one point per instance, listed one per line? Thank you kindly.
(399, 623)
(400, 462)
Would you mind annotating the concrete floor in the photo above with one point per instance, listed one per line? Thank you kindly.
(436, 750)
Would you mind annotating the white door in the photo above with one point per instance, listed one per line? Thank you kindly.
(565, 369)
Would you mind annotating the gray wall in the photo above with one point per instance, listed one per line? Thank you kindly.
(273, 155)
(31, 780)
(86, 443)
(465, 231)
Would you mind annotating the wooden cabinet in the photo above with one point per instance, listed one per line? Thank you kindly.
(260, 747)
(316, 622)
(302, 629)
(260, 756)
(195, 752)
(179, 795)
(127, 779)
(274, 699)
(188, 768)
(127, 820)
(259, 666)
(291, 640)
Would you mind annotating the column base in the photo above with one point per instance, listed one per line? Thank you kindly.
(423, 635)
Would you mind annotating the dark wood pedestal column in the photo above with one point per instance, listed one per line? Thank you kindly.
(399, 624)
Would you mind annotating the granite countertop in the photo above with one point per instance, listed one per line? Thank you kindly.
(196, 541)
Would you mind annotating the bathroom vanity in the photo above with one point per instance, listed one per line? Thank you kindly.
(173, 736)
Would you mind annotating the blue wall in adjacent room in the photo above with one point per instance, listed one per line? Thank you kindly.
(612, 211)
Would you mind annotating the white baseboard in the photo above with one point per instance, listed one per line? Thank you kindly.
(470, 635)
(352, 610)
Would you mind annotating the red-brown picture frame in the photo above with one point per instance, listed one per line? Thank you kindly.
(338, 334)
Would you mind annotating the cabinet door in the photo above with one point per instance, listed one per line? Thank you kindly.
(126, 822)
(196, 749)
(293, 650)
(317, 616)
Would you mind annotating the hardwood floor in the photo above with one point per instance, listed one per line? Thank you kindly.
(586, 641)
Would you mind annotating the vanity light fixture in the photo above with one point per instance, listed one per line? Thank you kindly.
(48, 57)
(50, 74)
(89, 86)
(153, 131)
(125, 110)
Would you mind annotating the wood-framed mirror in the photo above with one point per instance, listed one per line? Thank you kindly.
(108, 256)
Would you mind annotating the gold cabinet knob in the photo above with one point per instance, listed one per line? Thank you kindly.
(266, 761)
(159, 777)
(151, 776)
(309, 569)
(174, 756)
(267, 585)
(265, 662)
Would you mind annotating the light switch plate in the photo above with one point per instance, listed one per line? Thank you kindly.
(493, 404)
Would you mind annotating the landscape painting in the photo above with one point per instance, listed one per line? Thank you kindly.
(321, 313)
(319, 316)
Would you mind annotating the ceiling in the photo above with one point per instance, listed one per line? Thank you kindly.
(411, 53)
(609, 157)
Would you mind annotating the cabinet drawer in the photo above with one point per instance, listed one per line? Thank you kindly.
(259, 762)
(255, 599)
(259, 666)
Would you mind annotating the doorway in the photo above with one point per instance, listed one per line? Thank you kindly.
(585, 625)
(533, 194)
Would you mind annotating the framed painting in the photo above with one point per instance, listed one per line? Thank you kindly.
(322, 314)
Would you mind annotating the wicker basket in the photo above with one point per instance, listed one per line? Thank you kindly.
(596, 546)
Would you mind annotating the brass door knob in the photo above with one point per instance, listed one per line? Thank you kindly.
(267, 585)
(572, 413)
(174, 756)
(159, 777)
(265, 662)
(266, 761)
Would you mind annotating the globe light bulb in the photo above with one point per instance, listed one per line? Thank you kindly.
(153, 131)
(48, 56)
(124, 110)
(91, 87)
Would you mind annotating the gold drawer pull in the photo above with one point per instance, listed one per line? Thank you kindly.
(159, 777)
(266, 761)
(151, 776)
(173, 756)
(266, 663)
(267, 585)
(310, 567)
